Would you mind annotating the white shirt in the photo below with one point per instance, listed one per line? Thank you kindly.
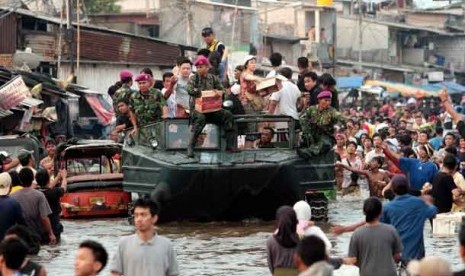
(287, 99)
(171, 102)
(271, 74)
(372, 154)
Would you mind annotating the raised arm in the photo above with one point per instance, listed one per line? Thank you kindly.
(394, 157)
(349, 168)
(448, 106)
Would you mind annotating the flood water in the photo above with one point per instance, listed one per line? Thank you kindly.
(220, 248)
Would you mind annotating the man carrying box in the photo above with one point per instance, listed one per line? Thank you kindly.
(204, 110)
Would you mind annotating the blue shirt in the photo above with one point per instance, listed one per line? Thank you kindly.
(407, 214)
(435, 142)
(418, 172)
(10, 214)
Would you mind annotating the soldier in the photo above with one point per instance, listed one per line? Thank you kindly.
(202, 81)
(318, 127)
(148, 104)
(125, 91)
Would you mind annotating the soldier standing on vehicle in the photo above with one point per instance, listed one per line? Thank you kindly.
(318, 127)
(202, 81)
(125, 91)
(148, 104)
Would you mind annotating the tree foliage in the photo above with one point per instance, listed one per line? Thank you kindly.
(102, 6)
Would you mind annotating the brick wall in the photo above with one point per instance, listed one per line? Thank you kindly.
(6, 60)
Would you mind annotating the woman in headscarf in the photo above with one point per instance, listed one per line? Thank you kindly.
(282, 245)
(305, 226)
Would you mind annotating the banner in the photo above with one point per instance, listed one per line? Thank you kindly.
(13, 93)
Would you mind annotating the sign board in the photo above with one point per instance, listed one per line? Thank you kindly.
(435, 76)
(13, 93)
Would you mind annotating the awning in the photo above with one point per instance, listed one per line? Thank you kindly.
(101, 108)
(403, 89)
(349, 82)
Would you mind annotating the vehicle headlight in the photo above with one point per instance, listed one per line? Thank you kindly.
(153, 143)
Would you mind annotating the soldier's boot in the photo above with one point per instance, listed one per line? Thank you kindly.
(231, 141)
(191, 144)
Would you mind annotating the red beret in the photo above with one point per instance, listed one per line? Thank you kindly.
(143, 77)
(325, 94)
(201, 60)
(125, 74)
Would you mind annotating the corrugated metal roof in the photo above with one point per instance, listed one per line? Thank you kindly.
(8, 30)
(118, 46)
(56, 20)
(125, 49)
(43, 44)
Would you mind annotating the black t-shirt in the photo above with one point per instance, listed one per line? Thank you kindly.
(443, 184)
(461, 128)
(123, 120)
(459, 273)
(314, 95)
(53, 196)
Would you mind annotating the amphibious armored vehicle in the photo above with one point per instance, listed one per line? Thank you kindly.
(221, 185)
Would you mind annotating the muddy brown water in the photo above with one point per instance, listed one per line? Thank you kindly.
(220, 248)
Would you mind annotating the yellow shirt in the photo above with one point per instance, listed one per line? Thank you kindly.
(15, 189)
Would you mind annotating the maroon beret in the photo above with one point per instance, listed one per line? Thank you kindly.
(201, 60)
(325, 94)
(125, 74)
(143, 77)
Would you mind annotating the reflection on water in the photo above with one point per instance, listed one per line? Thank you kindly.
(220, 248)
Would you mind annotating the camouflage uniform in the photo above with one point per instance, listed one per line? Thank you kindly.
(318, 130)
(223, 117)
(124, 92)
(148, 108)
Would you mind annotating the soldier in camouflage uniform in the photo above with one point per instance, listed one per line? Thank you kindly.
(318, 127)
(125, 91)
(148, 104)
(202, 81)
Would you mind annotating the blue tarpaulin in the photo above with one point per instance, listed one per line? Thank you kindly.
(349, 82)
(452, 87)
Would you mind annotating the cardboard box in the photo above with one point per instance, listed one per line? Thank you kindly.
(208, 102)
(268, 85)
(447, 224)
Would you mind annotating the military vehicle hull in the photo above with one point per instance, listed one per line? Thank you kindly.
(219, 185)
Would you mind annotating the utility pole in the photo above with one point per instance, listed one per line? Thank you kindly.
(360, 34)
(188, 24)
(70, 33)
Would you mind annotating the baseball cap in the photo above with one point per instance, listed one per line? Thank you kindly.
(5, 183)
(207, 31)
